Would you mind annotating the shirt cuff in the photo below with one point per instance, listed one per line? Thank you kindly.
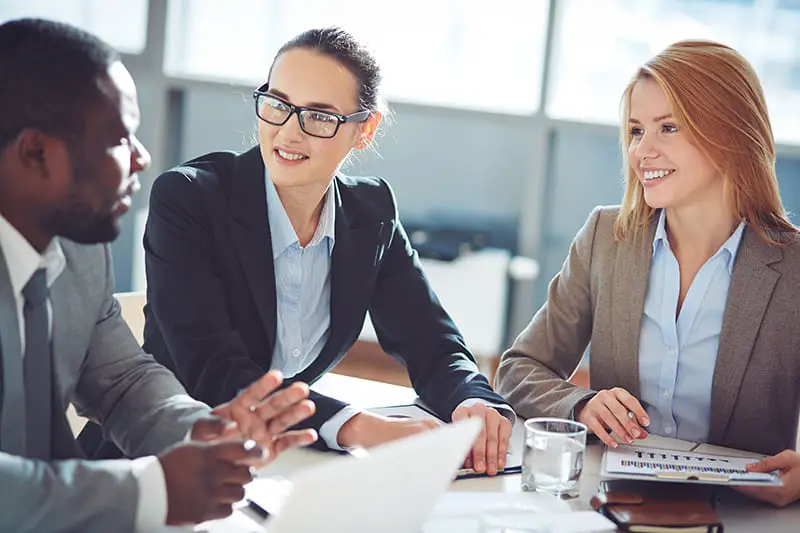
(151, 511)
(329, 432)
(501, 408)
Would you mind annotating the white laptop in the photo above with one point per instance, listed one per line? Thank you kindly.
(392, 490)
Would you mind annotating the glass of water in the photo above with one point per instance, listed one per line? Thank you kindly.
(553, 456)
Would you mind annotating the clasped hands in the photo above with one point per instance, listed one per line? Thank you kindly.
(206, 476)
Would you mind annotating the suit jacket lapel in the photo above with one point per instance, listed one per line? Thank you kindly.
(631, 276)
(12, 390)
(251, 232)
(750, 290)
(354, 260)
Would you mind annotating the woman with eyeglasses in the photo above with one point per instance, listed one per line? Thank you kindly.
(688, 293)
(270, 259)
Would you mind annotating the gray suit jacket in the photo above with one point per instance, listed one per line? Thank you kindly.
(598, 298)
(97, 365)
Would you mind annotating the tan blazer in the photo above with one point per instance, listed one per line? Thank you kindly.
(598, 298)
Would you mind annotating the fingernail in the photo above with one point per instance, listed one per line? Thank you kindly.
(501, 465)
(646, 421)
(629, 439)
(614, 444)
(479, 466)
(635, 432)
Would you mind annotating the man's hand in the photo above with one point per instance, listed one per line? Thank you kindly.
(263, 415)
(368, 429)
(203, 481)
(788, 462)
(615, 409)
(489, 451)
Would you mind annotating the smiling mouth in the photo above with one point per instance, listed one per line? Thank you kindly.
(289, 156)
(653, 175)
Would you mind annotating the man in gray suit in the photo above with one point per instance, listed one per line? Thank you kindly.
(68, 163)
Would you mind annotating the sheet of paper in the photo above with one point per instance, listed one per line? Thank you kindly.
(729, 452)
(268, 493)
(235, 523)
(662, 443)
(666, 443)
(575, 522)
(466, 504)
(675, 465)
(391, 489)
(461, 511)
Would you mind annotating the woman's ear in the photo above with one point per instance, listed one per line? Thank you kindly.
(368, 130)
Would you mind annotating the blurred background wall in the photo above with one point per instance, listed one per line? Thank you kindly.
(505, 111)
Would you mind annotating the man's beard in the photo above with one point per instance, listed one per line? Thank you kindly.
(76, 220)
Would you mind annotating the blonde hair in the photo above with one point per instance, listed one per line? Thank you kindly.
(716, 96)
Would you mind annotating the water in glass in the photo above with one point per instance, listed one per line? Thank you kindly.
(553, 455)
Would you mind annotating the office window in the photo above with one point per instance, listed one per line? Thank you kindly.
(597, 49)
(121, 23)
(461, 53)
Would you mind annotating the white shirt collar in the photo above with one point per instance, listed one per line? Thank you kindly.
(729, 248)
(23, 260)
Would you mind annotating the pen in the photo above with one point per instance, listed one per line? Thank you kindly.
(468, 473)
(260, 511)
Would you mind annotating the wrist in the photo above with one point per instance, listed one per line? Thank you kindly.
(577, 412)
(358, 430)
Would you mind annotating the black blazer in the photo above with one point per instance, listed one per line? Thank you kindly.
(211, 312)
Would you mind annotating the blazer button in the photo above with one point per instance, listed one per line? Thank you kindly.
(296, 352)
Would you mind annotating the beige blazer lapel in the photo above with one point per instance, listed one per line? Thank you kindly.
(631, 275)
(751, 288)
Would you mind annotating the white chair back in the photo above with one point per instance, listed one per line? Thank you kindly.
(132, 310)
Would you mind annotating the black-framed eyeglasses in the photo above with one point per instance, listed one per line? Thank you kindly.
(315, 122)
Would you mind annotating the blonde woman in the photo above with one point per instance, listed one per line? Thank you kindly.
(688, 291)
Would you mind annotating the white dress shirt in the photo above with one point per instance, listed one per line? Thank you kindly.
(677, 356)
(23, 261)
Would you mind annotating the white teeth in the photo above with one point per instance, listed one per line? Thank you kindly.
(655, 174)
(290, 157)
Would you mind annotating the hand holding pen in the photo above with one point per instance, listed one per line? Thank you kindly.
(616, 410)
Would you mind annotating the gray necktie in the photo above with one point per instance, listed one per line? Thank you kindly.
(37, 368)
